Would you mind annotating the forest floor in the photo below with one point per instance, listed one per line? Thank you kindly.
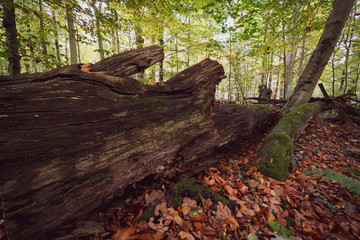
(319, 200)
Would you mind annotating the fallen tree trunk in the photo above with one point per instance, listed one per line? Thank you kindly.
(71, 140)
(275, 155)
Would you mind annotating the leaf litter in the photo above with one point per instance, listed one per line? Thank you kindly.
(308, 205)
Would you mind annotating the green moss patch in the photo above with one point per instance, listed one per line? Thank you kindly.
(351, 184)
(264, 107)
(278, 156)
(291, 122)
(188, 188)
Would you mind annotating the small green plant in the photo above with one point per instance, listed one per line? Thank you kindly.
(231, 162)
(279, 228)
(238, 175)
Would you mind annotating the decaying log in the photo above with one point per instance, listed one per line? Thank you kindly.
(349, 114)
(71, 140)
(275, 155)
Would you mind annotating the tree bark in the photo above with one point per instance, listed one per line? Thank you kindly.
(71, 31)
(321, 55)
(72, 140)
(275, 154)
(9, 24)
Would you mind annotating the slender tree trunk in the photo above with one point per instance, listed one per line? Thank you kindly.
(290, 56)
(42, 32)
(270, 70)
(316, 65)
(277, 86)
(71, 31)
(357, 78)
(26, 63)
(78, 51)
(161, 67)
(333, 74)
(229, 80)
(263, 64)
(9, 24)
(98, 31)
(57, 45)
(139, 42)
(302, 56)
(117, 41)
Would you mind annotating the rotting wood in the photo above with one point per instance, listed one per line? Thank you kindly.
(72, 140)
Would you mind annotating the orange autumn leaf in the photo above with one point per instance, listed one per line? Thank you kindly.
(278, 190)
(208, 231)
(113, 226)
(124, 233)
(197, 225)
(229, 190)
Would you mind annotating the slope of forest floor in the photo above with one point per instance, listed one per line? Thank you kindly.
(320, 199)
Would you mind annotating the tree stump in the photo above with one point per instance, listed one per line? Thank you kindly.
(71, 140)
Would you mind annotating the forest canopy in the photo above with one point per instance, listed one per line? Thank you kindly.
(258, 42)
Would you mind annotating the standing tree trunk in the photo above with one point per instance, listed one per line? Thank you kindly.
(275, 154)
(139, 42)
(42, 32)
(321, 55)
(71, 31)
(98, 31)
(9, 24)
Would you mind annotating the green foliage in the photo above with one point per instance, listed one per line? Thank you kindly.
(279, 228)
(351, 184)
(250, 38)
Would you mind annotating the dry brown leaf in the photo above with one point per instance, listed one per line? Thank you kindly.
(160, 208)
(113, 226)
(186, 235)
(208, 231)
(124, 233)
(279, 190)
(236, 200)
(146, 237)
(256, 207)
(154, 196)
(275, 200)
(270, 216)
(232, 223)
(199, 217)
(197, 225)
(229, 190)
(206, 204)
(222, 214)
(245, 210)
(188, 202)
(160, 228)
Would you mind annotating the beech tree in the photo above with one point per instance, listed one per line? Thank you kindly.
(9, 24)
(320, 57)
(275, 155)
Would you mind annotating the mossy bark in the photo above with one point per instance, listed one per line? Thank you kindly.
(275, 155)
